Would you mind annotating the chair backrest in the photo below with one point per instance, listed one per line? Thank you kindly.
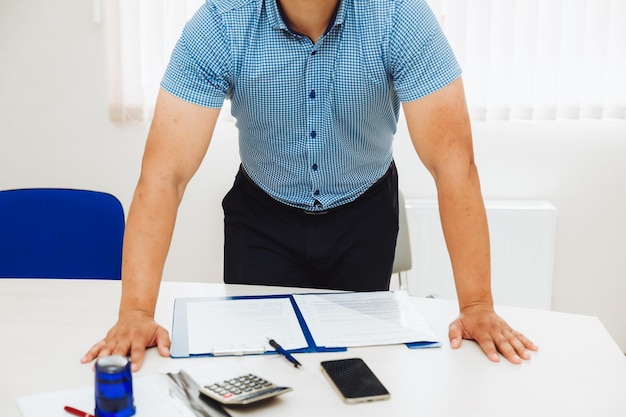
(60, 233)
(402, 261)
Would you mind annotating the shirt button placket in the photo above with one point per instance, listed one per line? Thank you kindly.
(313, 118)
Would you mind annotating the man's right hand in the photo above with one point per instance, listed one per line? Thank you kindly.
(130, 336)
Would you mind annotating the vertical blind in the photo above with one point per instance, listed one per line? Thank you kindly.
(522, 59)
(539, 59)
(140, 36)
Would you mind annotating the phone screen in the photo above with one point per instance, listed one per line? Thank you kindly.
(354, 380)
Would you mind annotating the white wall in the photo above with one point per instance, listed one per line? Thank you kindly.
(54, 131)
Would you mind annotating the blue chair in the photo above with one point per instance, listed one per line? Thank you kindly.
(60, 233)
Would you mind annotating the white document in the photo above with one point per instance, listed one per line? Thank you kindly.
(152, 394)
(242, 326)
(363, 319)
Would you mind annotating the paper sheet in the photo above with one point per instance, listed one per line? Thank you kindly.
(363, 319)
(151, 394)
(232, 326)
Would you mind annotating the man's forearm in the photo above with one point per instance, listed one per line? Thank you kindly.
(147, 240)
(464, 223)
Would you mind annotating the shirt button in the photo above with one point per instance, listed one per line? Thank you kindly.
(317, 192)
(314, 167)
(312, 94)
(314, 53)
(313, 134)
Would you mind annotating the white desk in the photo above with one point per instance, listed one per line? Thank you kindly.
(47, 325)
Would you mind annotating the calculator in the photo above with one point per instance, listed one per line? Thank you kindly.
(244, 389)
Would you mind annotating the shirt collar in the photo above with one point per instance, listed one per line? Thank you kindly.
(277, 22)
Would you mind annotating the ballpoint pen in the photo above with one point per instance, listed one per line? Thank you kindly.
(76, 412)
(283, 352)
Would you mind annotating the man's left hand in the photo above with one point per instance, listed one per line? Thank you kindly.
(492, 333)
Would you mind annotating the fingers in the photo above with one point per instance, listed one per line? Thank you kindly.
(500, 342)
(163, 342)
(105, 348)
(455, 334)
(528, 344)
(516, 346)
(138, 350)
(488, 345)
(137, 353)
(131, 338)
(493, 335)
(93, 352)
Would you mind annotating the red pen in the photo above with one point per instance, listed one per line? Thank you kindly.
(76, 412)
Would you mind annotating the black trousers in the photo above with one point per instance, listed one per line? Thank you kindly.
(350, 247)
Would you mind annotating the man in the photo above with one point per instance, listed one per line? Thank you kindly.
(315, 86)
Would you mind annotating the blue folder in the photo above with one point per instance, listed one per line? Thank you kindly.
(180, 332)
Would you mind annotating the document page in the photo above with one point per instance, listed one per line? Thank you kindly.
(154, 396)
(363, 319)
(242, 326)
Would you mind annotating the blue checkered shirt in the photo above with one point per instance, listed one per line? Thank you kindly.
(316, 120)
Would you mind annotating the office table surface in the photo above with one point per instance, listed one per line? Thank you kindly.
(47, 325)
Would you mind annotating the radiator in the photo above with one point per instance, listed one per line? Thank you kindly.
(522, 251)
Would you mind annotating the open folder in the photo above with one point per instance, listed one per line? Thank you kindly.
(311, 322)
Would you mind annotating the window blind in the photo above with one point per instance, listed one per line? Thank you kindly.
(521, 59)
(539, 59)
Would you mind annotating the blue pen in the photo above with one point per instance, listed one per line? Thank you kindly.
(283, 352)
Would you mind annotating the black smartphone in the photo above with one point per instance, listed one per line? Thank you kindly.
(354, 381)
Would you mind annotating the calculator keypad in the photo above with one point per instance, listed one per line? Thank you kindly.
(242, 389)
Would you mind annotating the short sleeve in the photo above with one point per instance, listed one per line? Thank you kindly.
(422, 60)
(198, 70)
